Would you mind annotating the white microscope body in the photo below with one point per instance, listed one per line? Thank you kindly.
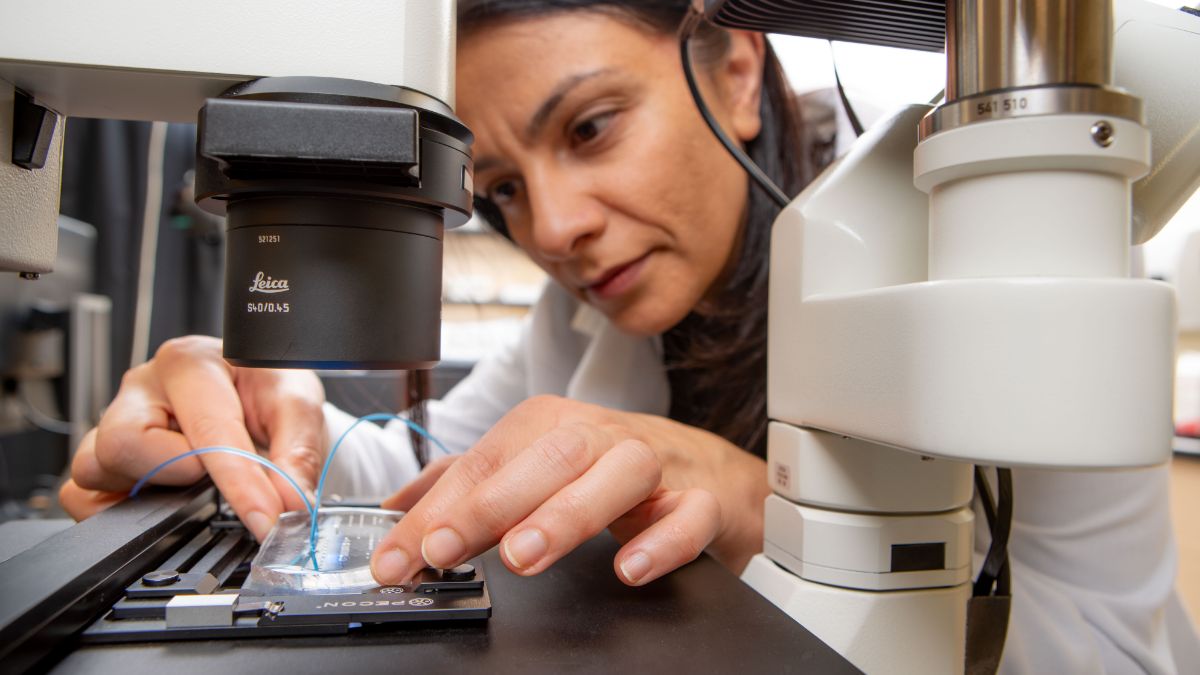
(985, 315)
(150, 60)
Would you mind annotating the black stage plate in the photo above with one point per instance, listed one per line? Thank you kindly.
(575, 618)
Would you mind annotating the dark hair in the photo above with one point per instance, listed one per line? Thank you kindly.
(716, 356)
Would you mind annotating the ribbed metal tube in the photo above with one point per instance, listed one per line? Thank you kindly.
(994, 45)
(1021, 58)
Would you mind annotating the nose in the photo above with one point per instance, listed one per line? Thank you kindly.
(565, 214)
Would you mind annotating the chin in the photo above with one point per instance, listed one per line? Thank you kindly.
(645, 321)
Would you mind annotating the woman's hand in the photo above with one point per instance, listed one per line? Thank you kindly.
(188, 397)
(554, 473)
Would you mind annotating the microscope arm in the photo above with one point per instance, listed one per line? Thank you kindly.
(149, 60)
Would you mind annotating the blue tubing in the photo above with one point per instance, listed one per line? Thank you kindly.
(229, 451)
(313, 508)
(373, 417)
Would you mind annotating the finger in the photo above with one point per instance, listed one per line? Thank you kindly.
(565, 452)
(684, 524)
(641, 517)
(296, 427)
(512, 435)
(206, 405)
(408, 496)
(621, 479)
(80, 503)
(494, 506)
(132, 439)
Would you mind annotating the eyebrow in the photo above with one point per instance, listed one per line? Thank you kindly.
(540, 116)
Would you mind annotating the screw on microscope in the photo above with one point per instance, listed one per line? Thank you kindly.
(1102, 133)
(30, 276)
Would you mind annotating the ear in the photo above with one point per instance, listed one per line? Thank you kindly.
(740, 81)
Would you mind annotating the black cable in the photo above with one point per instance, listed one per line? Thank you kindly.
(1004, 579)
(854, 121)
(686, 30)
(1004, 514)
(985, 497)
(995, 572)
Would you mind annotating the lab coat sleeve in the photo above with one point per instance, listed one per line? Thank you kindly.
(376, 461)
(1093, 572)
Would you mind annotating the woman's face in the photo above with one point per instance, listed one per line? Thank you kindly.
(588, 142)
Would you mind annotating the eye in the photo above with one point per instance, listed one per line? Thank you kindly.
(590, 128)
(504, 192)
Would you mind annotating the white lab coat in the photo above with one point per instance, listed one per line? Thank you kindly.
(1093, 554)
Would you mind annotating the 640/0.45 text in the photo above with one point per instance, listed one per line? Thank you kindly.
(267, 308)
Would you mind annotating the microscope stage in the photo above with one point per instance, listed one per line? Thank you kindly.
(218, 584)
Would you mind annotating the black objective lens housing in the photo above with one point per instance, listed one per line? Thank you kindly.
(336, 194)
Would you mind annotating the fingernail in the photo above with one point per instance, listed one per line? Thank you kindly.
(390, 567)
(260, 524)
(635, 567)
(443, 548)
(525, 548)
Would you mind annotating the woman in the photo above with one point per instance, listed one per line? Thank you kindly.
(635, 399)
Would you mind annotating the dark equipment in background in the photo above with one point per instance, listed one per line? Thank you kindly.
(104, 183)
(53, 371)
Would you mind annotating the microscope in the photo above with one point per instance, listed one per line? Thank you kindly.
(956, 291)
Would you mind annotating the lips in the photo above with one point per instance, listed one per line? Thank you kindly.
(616, 280)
